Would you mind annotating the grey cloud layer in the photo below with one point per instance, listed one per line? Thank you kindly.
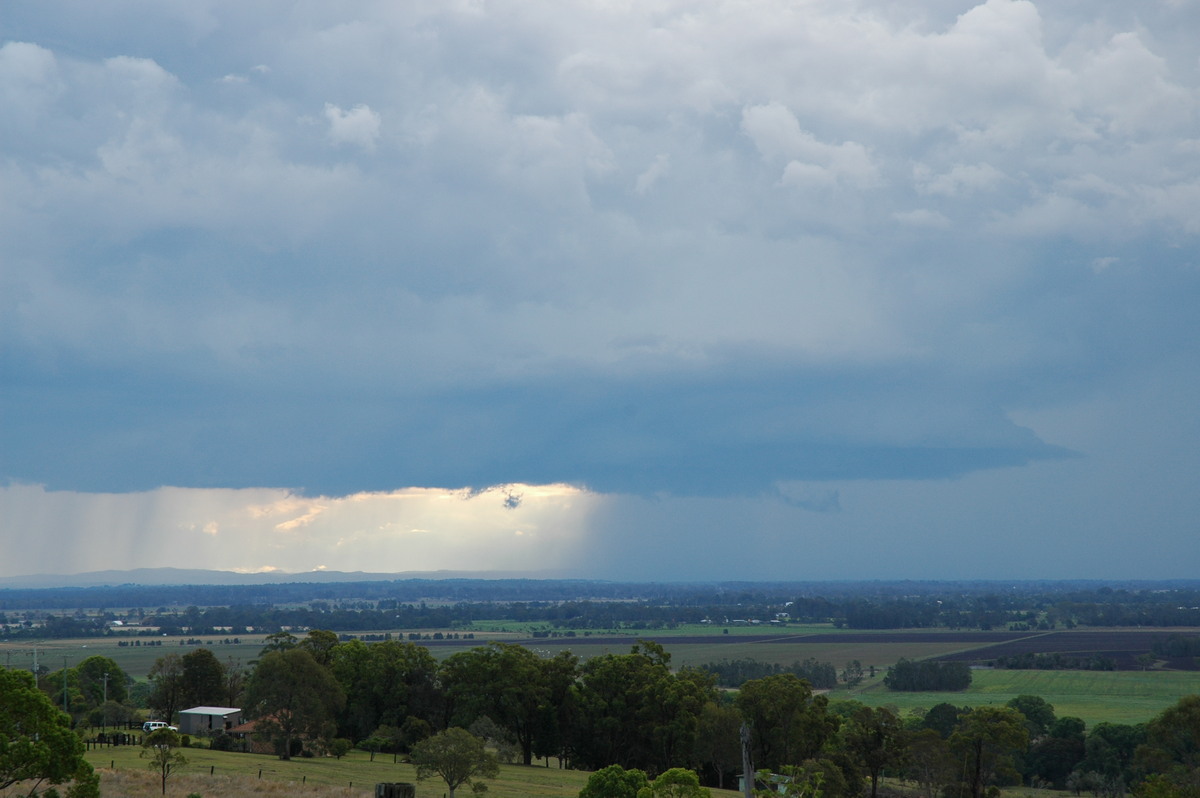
(697, 248)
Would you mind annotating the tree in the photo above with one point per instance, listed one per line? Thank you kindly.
(36, 741)
(943, 718)
(614, 781)
(1109, 751)
(912, 675)
(788, 724)
(874, 738)
(102, 679)
(675, 783)
(166, 692)
(385, 684)
(203, 678)
(987, 738)
(292, 699)
(159, 747)
(320, 643)
(235, 682)
(928, 761)
(502, 681)
(632, 711)
(853, 674)
(1039, 714)
(456, 755)
(718, 739)
(1172, 746)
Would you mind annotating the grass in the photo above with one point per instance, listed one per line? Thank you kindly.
(1095, 696)
(214, 773)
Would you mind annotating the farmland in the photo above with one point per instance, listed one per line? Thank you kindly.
(124, 773)
(1094, 696)
(1122, 696)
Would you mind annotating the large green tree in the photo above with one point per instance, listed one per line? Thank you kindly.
(203, 679)
(1039, 713)
(874, 739)
(788, 724)
(457, 756)
(675, 783)
(718, 739)
(632, 711)
(987, 738)
(292, 698)
(100, 679)
(614, 781)
(166, 686)
(927, 761)
(501, 681)
(37, 745)
(1172, 746)
(385, 684)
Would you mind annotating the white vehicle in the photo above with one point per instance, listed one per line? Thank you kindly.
(155, 725)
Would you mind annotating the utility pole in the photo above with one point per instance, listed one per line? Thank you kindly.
(747, 765)
(104, 706)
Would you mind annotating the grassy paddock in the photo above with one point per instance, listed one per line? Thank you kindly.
(1095, 696)
(123, 773)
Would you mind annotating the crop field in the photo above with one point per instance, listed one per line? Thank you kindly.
(1094, 696)
(1120, 645)
(230, 775)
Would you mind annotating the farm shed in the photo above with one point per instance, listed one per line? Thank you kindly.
(206, 720)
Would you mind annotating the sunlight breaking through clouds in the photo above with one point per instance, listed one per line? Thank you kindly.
(259, 530)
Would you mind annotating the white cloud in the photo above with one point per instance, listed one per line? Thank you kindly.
(358, 126)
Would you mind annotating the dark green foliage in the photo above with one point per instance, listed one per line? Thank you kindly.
(787, 723)
(614, 781)
(293, 699)
(1178, 645)
(1039, 715)
(630, 710)
(385, 684)
(987, 738)
(36, 741)
(943, 718)
(203, 678)
(735, 673)
(931, 675)
(1172, 746)
(1109, 750)
(873, 737)
(1056, 662)
(505, 682)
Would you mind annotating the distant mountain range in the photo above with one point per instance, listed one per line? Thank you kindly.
(195, 576)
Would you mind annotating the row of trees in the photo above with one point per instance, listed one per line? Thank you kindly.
(634, 711)
(928, 675)
(362, 606)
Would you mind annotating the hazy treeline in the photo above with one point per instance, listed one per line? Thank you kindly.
(352, 607)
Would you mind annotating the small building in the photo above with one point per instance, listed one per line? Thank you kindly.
(207, 720)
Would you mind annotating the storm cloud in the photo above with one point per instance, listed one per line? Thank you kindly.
(827, 270)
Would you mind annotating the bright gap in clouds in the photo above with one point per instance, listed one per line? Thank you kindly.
(508, 528)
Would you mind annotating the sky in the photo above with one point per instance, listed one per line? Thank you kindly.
(656, 290)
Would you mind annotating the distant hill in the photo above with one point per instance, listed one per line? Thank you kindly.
(187, 576)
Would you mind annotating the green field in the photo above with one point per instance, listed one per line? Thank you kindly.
(355, 772)
(1095, 696)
